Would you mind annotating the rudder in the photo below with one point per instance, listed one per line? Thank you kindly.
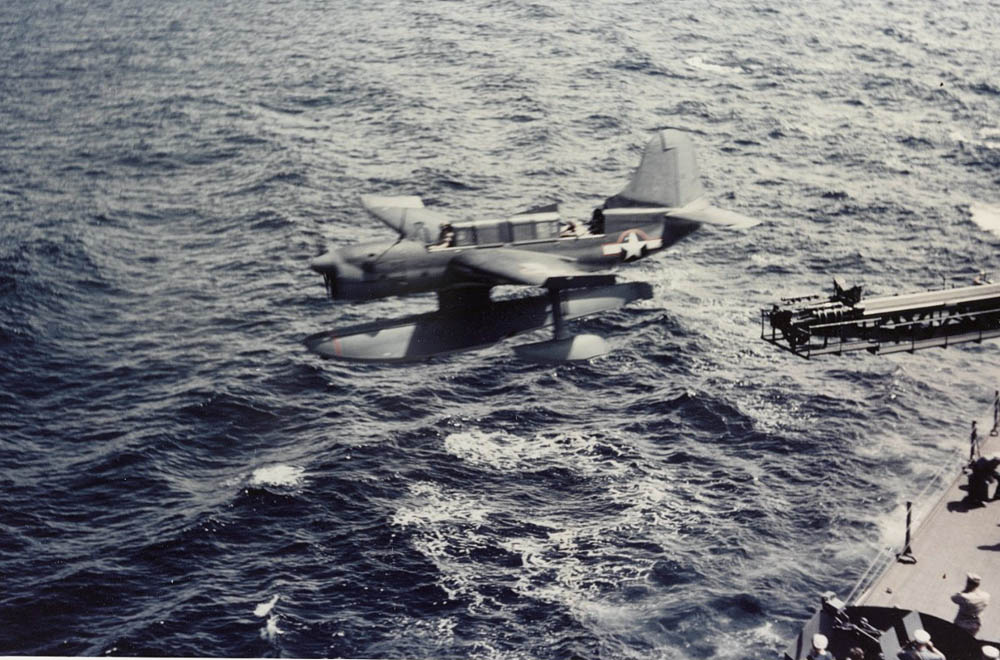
(667, 174)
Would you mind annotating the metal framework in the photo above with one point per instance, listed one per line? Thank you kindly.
(845, 322)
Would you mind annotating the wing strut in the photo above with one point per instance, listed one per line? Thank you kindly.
(558, 322)
(563, 347)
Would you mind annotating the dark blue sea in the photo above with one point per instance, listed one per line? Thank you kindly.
(180, 477)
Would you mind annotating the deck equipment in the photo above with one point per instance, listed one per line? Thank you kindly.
(845, 321)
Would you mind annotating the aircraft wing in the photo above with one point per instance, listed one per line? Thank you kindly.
(512, 266)
(701, 211)
(407, 215)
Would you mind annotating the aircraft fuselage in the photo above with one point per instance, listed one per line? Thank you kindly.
(393, 268)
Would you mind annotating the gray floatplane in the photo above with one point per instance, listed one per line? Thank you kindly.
(463, 261)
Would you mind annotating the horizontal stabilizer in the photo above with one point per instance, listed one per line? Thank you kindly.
(701, 211)
(407, 215)
(426, 335)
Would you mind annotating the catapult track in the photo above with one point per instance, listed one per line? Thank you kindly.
(888, 324)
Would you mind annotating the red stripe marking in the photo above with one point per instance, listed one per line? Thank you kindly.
(621, 236)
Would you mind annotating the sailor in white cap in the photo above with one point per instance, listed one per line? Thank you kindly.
(990, 653)
(819, 652)
(920, 648)
(971, 602)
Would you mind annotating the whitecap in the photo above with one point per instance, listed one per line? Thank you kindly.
(271, 630)
(989, 134)
(447, 525)
(277, 475)
(429, 504)
(957, 136)
(698, 63)
(987, 216)
(497, 450)
(571, 563)
(734, 644)
(987, 137)
(263, 609)
(506, 452)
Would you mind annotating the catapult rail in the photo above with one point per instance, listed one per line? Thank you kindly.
(814, 325)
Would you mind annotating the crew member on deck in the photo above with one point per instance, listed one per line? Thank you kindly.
(971, 602)
(920, 648)
(982, 472)
(819, 652)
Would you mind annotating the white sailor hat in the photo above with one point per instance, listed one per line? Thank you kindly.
(921, 636)
(972, 577)
(991, 652)
(819, 641)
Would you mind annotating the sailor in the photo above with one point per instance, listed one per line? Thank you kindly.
(982, 472)
(982, 278)
(920, 648)
(447, 237)
(992, 469)
(971, 602)
(597, 222)
(819, 652)
(570, 229)
(856, 653)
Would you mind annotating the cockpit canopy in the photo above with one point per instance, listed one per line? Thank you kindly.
(496, 232)
(538, 225)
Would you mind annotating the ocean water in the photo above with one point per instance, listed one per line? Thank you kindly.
(181, 477)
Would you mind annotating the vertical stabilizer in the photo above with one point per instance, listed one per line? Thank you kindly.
(667, 175)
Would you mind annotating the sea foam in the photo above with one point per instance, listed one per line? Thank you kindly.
(277, 475)
(263, 609)
(987, 216)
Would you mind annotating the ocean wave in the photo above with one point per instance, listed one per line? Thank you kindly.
(180, 474)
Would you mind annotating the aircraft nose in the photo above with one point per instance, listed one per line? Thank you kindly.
(327, 265)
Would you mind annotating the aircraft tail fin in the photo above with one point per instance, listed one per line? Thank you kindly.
(667, 174)
(668, 178)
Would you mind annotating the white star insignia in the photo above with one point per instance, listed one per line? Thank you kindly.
(632, 247)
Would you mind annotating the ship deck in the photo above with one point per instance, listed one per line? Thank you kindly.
(948, 542)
